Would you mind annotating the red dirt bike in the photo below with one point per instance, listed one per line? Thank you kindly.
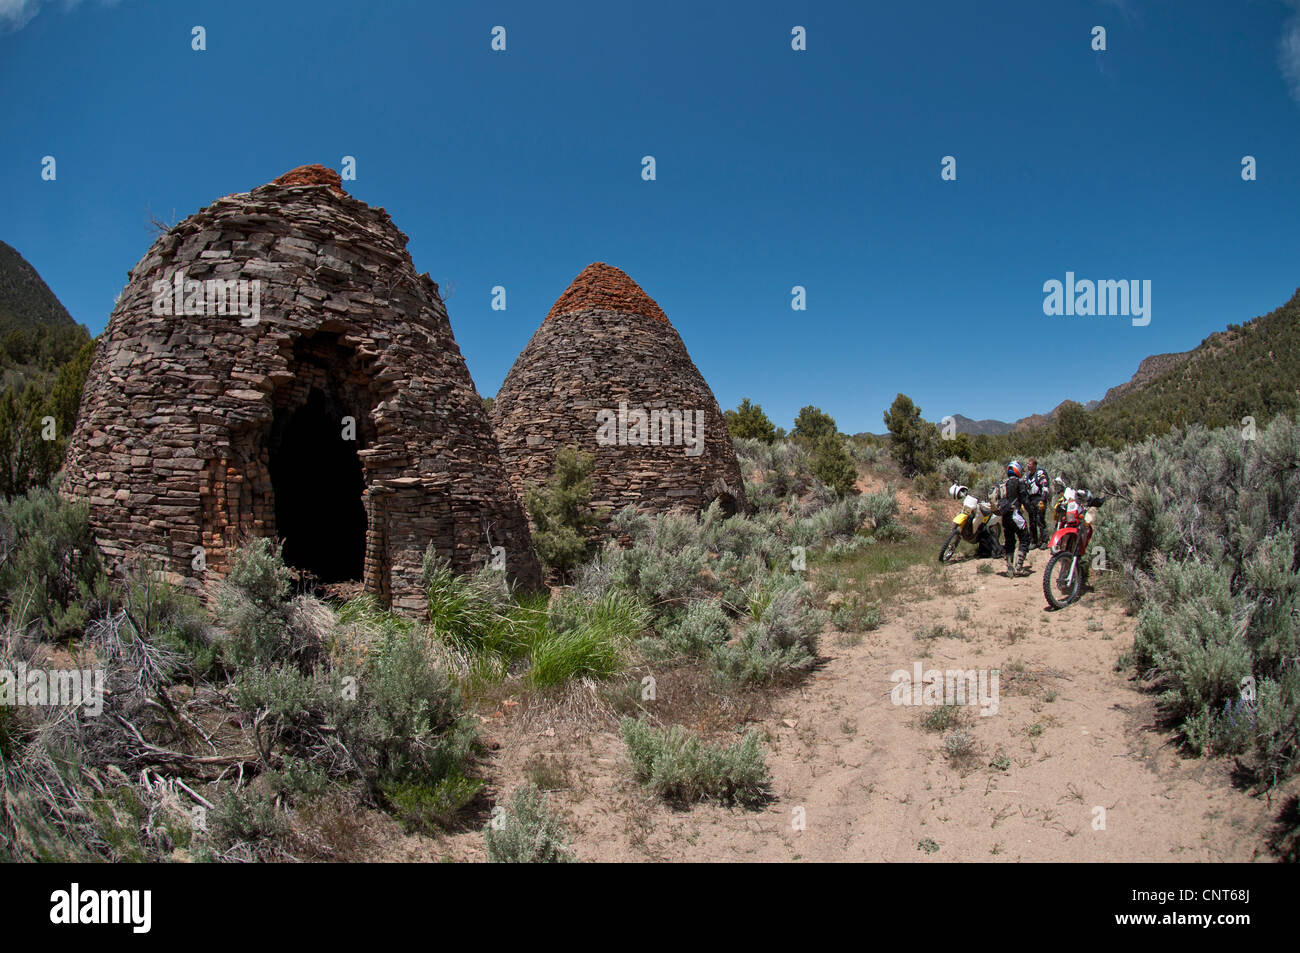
(1067, 569)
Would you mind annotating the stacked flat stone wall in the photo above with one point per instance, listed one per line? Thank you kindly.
(587, 360)
(173, 441)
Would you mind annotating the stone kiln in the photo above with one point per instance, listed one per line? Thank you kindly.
(333, 409)
(607, 372)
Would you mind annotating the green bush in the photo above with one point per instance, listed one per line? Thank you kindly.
(681, 768)
(813, 423)
(1203, 528)
(169, 618)
(749, 422)
(912, 441)
(51, 578)
(833, 465)
(395, 723)
(561, 512)
(253, 606)
(527, 832)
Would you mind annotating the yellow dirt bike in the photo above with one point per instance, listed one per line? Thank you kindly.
(974, 524)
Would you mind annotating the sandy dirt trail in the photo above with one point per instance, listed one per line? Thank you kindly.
(1071, 735)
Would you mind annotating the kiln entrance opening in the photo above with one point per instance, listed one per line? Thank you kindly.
(318, 484)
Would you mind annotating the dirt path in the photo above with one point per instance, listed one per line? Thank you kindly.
(1070, 735)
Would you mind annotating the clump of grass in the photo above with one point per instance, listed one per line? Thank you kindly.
(526, 832)
(678, 766)
(587, 639)
(854, 615)
(984, 569)
(936, 631)
(547, 773)
(941, 718)
(958, 744)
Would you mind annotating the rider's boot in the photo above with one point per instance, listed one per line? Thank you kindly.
(1011, 563)
(1020, 563)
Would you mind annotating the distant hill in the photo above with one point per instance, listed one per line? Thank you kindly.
(995, 428)
(976, 427)
(1151, 367)
(1247, 370)
(36, 332)
(26, 301)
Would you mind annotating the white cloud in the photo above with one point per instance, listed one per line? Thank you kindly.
(1288, 51)
(16, 14)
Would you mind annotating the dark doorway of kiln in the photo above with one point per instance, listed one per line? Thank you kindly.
(317, 481)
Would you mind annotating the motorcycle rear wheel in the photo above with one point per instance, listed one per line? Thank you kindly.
(950, 546)
(1059, 589)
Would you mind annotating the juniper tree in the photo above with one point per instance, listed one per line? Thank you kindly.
(561, 512)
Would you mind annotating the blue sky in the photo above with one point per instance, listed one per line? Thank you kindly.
(775, 168)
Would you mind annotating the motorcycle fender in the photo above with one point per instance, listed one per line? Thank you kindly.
(1060, 536)
(960, 519)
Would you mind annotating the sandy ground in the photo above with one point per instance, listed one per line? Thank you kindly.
(1073, 765)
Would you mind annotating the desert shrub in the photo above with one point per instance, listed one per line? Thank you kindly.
(695, 633)
(785, 468)
(678, 766)
(254, 607)
(168, 617)
(561, 512)
(866, 454)
(249, 815)
(1208, 544)
(931, 486)
(526, 832)
(51, 578)
(941, 718)
(956, 470)
(676, 558)
(781, 639)
(881, 509)
(63, 796)
(427, 807)
(394, 724)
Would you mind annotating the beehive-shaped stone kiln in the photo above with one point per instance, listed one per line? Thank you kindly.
(606, 372)
(276, 367)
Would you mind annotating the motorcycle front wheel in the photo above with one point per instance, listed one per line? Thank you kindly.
(1060, 585)
(950, 546)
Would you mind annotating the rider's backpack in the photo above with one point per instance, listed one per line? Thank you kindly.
(1003, 502)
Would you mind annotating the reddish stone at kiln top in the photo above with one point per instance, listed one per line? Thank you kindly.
(604, 349)
(604, 287)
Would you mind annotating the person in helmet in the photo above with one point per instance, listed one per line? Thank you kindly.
(1013, 504)
(1039, 489)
